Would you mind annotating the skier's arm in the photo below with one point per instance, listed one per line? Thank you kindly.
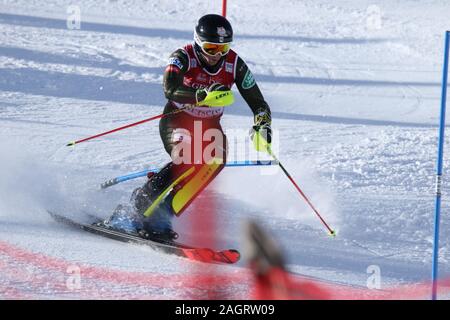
(252, 95)
(249, 90)
(173, 79)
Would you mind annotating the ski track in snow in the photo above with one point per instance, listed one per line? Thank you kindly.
(356, 111)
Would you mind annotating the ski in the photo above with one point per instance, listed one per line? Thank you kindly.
(206, 255)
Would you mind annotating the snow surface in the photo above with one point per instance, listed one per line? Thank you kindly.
(354, 88)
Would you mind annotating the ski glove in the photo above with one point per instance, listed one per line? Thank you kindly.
(201, 94)
(261, 132)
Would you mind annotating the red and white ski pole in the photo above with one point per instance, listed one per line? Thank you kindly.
(331, 231)
(213, 99)
(163, 115)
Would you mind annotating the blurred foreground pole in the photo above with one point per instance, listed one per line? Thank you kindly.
(272, 281)
(437, 213)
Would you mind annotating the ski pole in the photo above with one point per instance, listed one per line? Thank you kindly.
(213, 99)
(72, 143)
(143, 173)
(331, 231)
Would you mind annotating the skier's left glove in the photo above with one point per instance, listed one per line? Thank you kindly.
(261, 132)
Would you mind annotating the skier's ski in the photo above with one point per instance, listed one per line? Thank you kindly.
(208, 255)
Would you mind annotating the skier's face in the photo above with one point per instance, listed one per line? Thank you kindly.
(211, 60)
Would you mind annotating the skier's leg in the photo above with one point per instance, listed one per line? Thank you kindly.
(184, 181)
(182, 196)
(158, 216)
(190, 187)
(144, 196)
(149, 199)
(130, 216)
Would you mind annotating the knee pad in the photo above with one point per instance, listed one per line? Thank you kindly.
(187, 191)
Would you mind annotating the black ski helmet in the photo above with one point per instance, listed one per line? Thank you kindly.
(214, 28)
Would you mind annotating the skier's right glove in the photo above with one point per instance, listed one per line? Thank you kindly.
(261, 132)
(201, 94)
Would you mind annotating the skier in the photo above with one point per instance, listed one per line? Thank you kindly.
(208, 64)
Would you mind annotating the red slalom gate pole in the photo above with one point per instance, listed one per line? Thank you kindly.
(72, 143)
(224, 8)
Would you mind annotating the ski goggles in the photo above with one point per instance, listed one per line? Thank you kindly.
(213, 49)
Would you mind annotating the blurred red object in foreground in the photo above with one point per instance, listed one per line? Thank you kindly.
(272, 280)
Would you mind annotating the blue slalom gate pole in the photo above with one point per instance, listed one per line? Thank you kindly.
(437, 213)
(135, 175)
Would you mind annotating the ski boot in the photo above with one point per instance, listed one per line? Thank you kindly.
(142, 196)
(158, 226)
(124, 219)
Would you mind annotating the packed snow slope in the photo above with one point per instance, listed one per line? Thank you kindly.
(354, 87)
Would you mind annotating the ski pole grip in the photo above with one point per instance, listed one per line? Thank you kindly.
(109, 183)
